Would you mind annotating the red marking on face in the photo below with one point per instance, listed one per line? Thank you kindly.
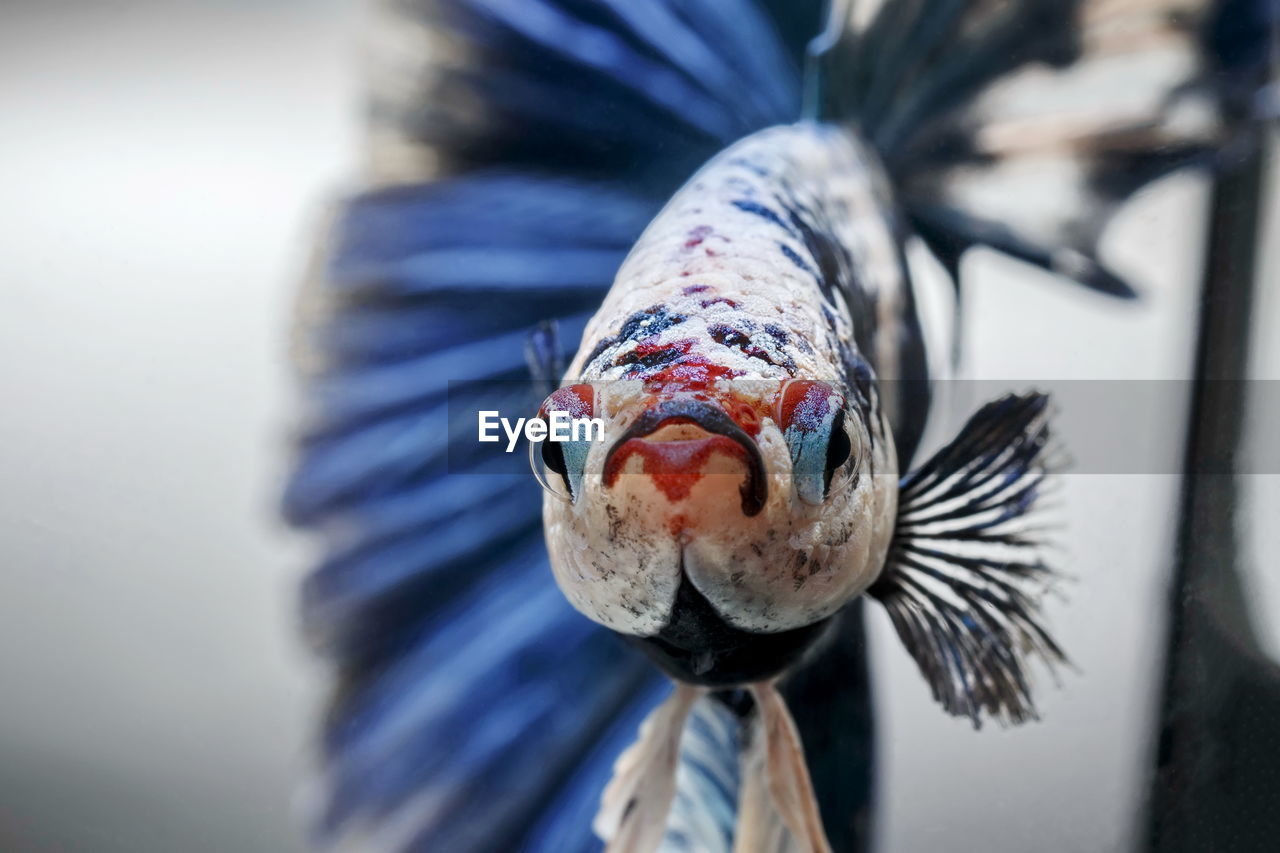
(650, 353)
(707, 303)
(691, 289)
(675, 467)
(745, 415)
(803, 404)
(693, 373)
(577, 400)
(651, 347)
(677, 524)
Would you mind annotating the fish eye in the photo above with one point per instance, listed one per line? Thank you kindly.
(812, 416)
(838, 448)
(556, 484)
(560, 469)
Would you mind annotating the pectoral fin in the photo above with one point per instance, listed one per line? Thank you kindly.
(967, 569)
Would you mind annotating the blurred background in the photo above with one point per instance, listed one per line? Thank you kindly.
(166, 166)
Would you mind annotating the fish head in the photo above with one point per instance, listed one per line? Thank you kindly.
(774, 499)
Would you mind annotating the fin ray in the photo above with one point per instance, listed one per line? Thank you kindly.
(967, 568)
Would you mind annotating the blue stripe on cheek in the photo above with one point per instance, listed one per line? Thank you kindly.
(809, 460)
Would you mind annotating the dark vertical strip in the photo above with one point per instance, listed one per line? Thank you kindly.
(1216, 784)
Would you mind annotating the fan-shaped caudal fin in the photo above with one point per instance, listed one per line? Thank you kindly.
(633, 810)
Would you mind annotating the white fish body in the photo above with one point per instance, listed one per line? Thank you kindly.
(724, 298)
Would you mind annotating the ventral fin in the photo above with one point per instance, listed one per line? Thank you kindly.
(634, 807)
(967, 570)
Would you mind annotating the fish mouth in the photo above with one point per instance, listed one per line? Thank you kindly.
(698, 645)
(719, 432)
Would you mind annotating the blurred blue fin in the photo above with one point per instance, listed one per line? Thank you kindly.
(705, 810)
(518, 149)
(545, 358)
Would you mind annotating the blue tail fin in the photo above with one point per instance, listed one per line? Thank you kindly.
(518, 155)
(705, 810)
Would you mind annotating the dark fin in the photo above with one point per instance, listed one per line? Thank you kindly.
(951, 233)
(972, 101)
(544, 355)
(518, 149)
(607, 88)
(967, 568)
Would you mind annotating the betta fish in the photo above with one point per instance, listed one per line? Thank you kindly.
(712, 200)
(748, 488)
